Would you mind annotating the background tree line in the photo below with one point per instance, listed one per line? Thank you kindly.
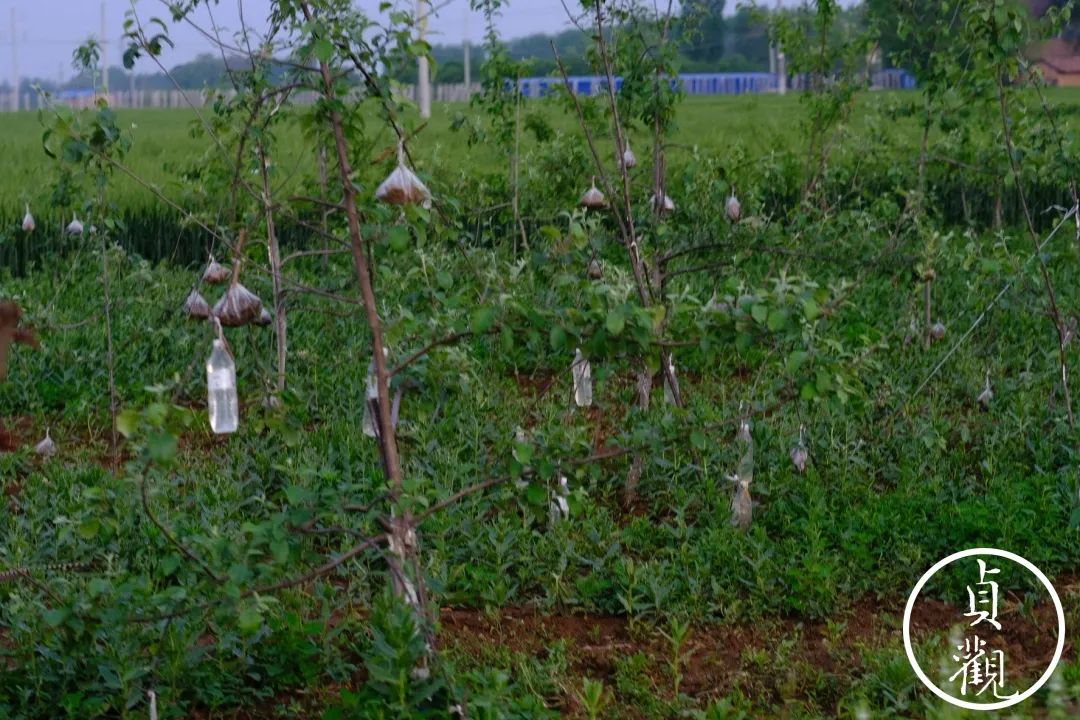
(708, 41)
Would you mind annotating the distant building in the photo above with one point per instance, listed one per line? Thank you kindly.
(1059, 60)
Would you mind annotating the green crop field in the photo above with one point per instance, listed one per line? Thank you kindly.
(163, 139)
(900, 311)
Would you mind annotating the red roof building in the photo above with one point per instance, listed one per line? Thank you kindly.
(1059, 60)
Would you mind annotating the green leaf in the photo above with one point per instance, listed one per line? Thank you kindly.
(88, 530)
(483, 318)
(523, 452)
(796, 360)
(698, 440)
(777, 320)
(659, 312)
(398, 237)
(162, 447)
(280, 550)
(616, 321)
(156, 413)
(811, 309)
(536, 494)
(250, 620)
(445, 279)
(239, 573)
(169, 564)
(99, 587)
(127, 422)
(760, 313)
(322, 50)
(824, 382)
(558, 338)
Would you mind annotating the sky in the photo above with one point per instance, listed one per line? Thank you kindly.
(48, 31)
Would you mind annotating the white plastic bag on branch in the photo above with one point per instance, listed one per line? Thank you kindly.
(370, 423)
(265, 318)
(75, 227)
(47, 447)
(733, 208)
(402, 186)
(196, 306)
(746, 460)
(216, 273)
(520, 437)
(593, 199)
(799, 453)
(669, 391)
(664, 207)
(744, 435)
(987, 393)
(403, 544)
(371, 398)
(238, 306)
(559, 508)
(742, 506)
(629, 160)
(582, 374)
(28, 223)
(402, 582)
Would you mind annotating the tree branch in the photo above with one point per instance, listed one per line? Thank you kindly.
(187, 552)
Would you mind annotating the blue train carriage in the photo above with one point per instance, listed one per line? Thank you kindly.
(705, 83)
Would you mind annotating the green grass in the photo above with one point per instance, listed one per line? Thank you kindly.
(163, 143)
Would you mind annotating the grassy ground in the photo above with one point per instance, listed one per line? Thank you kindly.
(163, 142)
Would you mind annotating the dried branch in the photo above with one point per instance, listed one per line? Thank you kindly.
(1051, 296)
(448, 340)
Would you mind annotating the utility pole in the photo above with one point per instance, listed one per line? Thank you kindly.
(781, 63)
(423, 79)
(16, 81)
(781, 68)
(468, 57)
(104, 53)
(772, 57)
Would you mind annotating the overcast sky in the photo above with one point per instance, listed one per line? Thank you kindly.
(49, 30)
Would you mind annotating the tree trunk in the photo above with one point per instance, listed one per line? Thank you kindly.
(280, 324)
(404, 545)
